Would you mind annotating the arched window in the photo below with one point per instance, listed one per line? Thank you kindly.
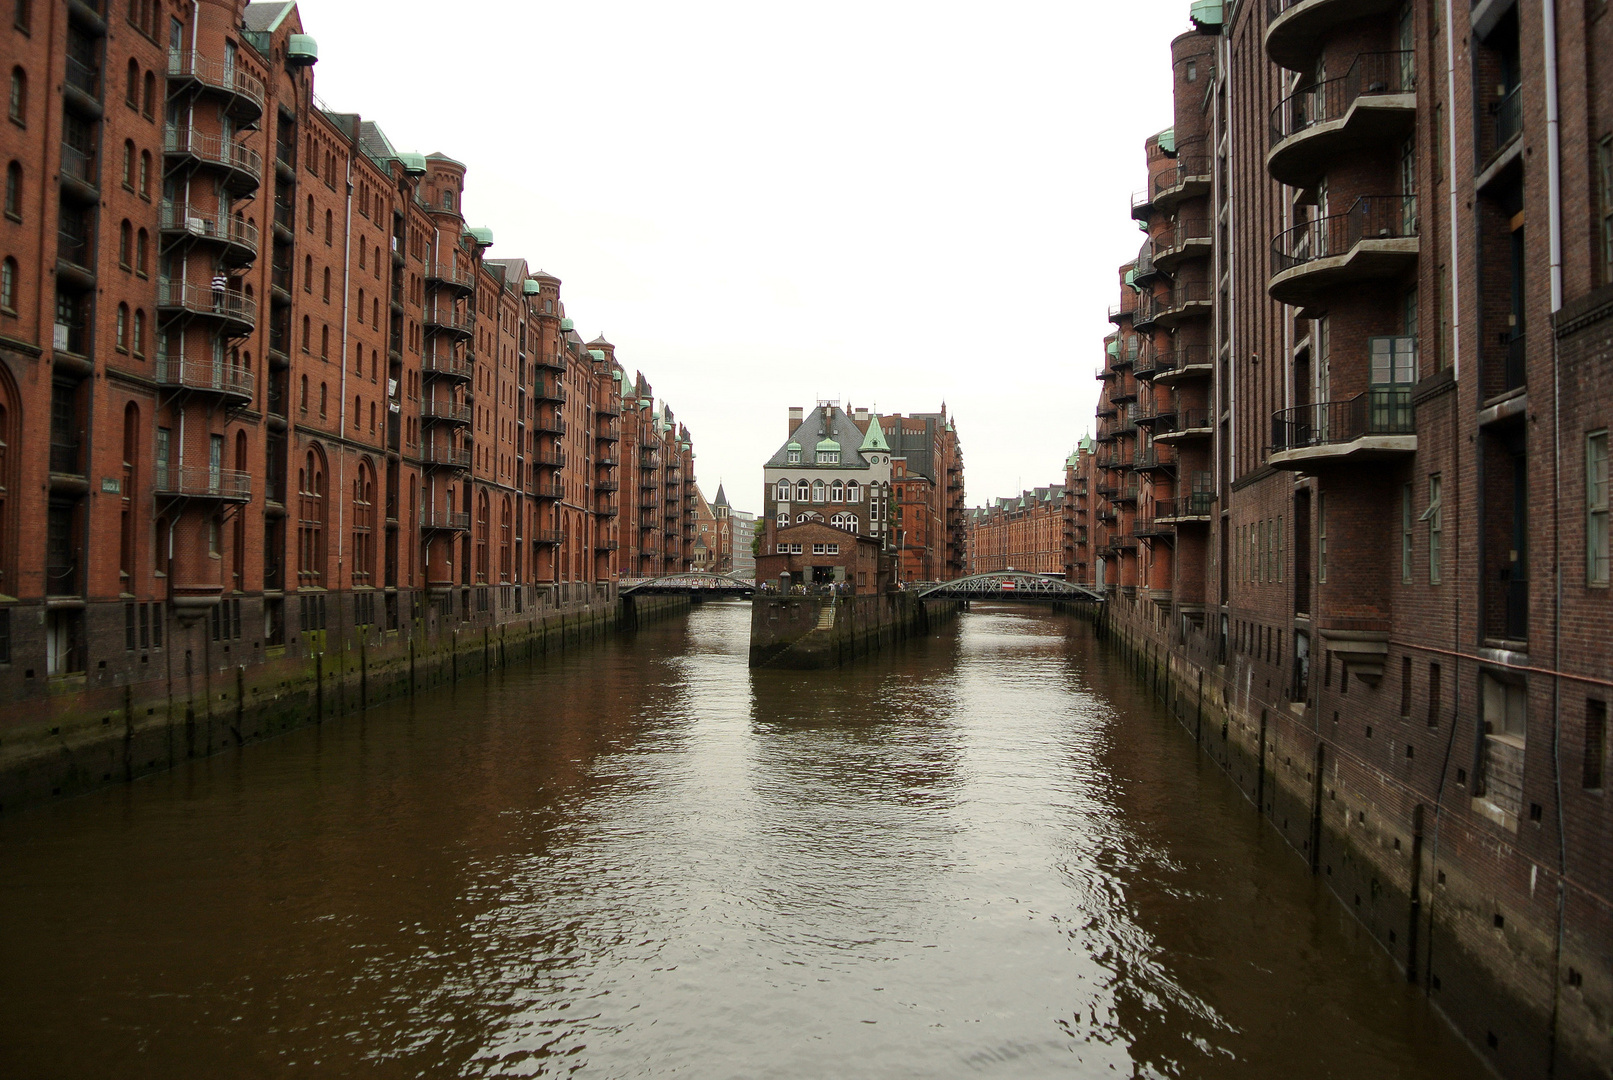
(149, 102)
(358, 358)
(19, 96)
(372, 418)
(141, 241)
(125, 244)
(329, 232)
(361, 309)
(358, 410)
(307, 273)
(122, 341)
(311, 491)
(783, 491)
(837, 492)
(324, 399)
(853, 491)
(131, 90)
(327, 284)
(131, 452)
(302, 399)
(506, 524)
(128, 161)
(483, 513)
(324, 341)
(138, 335)
(14, 191)
(364, 524)
(375, 311)
(817, 491)
(8, 284)
(145, 173)
(803, 491)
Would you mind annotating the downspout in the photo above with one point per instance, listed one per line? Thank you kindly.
(341, 429)
(1450, 183)
(1554, 180)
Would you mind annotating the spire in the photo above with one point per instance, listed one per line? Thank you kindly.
(721, 499)
(875, 439)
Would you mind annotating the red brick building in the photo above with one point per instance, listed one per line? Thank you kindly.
(1351, 475)
(928, 460)
(815, 553)
(1025, 532)
(260, 380)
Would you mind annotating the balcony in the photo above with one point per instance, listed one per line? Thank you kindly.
(75, 255)
(550, 425)
(606, 487)
(241, 90)
(1194, 509)
(444, 319)
(1119, 311)
(242, 165)
(1186, 300)
(451, 277)
(201, 482)
(1154, 528)
(285, 219)
(547, 537)
(1147, 313)
(550, 459)
(83, 86)
(606, 545)
(78, 175)
(1183, 425)
(1152, 460)
(1295, 28)
(548, 489)
(446, 410)
(1374, 103)
(549, 362)
(237, 238)
(447, 457)
(1375, 239)
(611, 407)
(550, 390)
(1142, 204)
(205, 376)
(1377, 425)
(1124, 390)
(1182, 363)
(435, 519)
(1189, 238)
(1189, 179)
(238, 313)
(1151, 413)
(447, 365)
(1127, 494)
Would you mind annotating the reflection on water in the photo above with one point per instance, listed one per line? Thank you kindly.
(987, 853)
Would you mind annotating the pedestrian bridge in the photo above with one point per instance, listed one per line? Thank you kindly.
(691, 584)
(1008, 585)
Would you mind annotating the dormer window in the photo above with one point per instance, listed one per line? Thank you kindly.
(828, 457)
(795, 457)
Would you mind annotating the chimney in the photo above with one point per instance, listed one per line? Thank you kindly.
(796, 414)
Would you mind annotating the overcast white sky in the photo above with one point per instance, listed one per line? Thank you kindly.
(764, 204)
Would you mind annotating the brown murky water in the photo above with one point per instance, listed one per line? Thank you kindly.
(990, 854)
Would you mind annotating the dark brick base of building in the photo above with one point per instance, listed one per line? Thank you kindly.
(1424, 884)
(199, 701)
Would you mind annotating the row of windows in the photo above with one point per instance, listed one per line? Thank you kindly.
(817, 491)
(817, 549)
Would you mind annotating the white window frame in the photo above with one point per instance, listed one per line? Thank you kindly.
(1596, 509)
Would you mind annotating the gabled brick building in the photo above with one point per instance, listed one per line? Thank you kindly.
(1351, 475)
(260, 380)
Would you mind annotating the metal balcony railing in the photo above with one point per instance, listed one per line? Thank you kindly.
(216, 74)
(214, 150)
(446, 363)
(432, 517)
(1508, 113)
(75, 249)
(202, 481)
(448, 456)
(1382, 410)
(178, 217)
(1370, 217)
(206, 301)
(1187, 167)
(444, 317)
(447, 410)
(79, 164)
(1369, 73)
(64, 458)
(449, 274)
(84, 77)
(215, 376)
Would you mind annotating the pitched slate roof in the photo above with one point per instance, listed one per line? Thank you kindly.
(838, 430)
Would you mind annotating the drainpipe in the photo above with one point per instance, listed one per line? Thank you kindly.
(1554, 180)
(341, 428)
(1450, 183)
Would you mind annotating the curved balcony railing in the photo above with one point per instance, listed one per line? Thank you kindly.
(204, 375)
(1382, 410)
(1330, 99)
(432, 517)
(450, 275)
(1200, 504)
(1190, 176)
(447, 365)
(199, 300)
(1185, 237)
(447, 411)
(1371, 217)
(223, 228)
(244, 163)
(444, 317)
(450, 457)
(245, 88)
(1295, 28)
(202, 482)
(1185, 298)
(1181, 422)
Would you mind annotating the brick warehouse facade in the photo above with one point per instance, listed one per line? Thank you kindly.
(1349, 493)
(1025, 532)
(260, 383)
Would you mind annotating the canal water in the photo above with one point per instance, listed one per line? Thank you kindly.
(989, 853)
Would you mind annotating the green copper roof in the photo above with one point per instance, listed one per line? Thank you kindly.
(529, 287)
(792, 445)
(413, 164)
(1086, 443)
(1167, 140)
(597, 354)
(875, 439)
(1205, 14)
(828, 444)
(1113, 348)
(566, 324)
(303, 49)
(1131, 278)
(482, 236)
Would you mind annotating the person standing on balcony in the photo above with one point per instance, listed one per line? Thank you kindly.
(220, 285)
